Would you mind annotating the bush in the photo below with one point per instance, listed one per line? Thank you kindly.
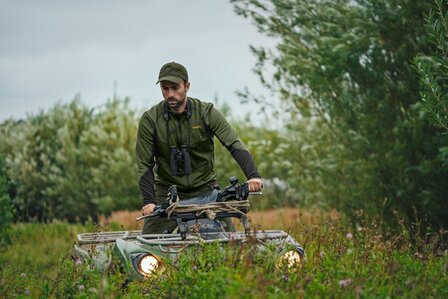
(72, 162)
(6, 207)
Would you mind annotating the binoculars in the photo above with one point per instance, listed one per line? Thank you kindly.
(180, 160)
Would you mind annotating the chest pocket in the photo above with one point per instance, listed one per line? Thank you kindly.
(198, 134)
(201, 146)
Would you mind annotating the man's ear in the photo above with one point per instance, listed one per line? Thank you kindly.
(187, 86)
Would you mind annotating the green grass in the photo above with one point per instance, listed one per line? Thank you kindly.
(341, 263)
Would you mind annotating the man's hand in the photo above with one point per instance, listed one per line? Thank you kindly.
(255, 184)
(148, 209)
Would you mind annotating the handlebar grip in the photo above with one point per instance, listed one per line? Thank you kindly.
(256, 193)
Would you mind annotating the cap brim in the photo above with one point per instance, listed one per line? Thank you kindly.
(171, 79)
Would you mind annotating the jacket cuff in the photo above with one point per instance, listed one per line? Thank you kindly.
(148, 201)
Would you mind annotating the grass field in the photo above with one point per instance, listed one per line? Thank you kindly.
(343, 261)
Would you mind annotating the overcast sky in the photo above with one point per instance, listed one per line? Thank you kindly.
(52, 50)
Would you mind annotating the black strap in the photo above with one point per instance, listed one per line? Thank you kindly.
(166, 117)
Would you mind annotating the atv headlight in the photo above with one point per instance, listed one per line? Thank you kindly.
(291, 258)
(148, 264)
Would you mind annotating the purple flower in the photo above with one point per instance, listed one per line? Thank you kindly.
(418, 255)
(81, 287)
(194, 268)
(27, 292)
(345, 282)
(78, 262)
(349, 236)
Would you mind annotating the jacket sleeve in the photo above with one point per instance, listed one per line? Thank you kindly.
(145, 158)
(230, 140)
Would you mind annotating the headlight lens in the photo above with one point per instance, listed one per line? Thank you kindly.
(148, 264)
(291, 258)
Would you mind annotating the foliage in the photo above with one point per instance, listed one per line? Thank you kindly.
(342, 70)
(6, 208)
(72, 162)
(433, 71)
(363, 261)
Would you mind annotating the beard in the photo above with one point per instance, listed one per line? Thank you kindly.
(174, 104)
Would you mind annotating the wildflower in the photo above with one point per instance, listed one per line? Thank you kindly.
(81, 287)
(418, 255)
(349, 236)
(22, 274)
(194, 268)
(345, 282)
(285, 277)
(78, 262)
(322, 254)
(27, 292)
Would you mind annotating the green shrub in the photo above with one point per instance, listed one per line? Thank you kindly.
(7, 209)
(72, 162)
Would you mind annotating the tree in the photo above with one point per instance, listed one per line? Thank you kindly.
(433, 70)
(343, 69)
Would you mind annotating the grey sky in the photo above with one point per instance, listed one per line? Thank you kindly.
(52, 50)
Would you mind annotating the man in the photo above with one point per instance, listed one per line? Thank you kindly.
(175, 147)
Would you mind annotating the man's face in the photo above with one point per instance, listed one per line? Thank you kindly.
(175, 94)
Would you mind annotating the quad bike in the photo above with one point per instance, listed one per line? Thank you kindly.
(200, 220)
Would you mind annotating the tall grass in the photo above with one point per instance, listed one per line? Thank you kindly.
(342, 262)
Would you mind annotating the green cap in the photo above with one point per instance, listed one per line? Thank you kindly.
(173, 72)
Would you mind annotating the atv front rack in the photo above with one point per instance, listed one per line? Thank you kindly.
(107, 237)
(176, 239)
(220, 237)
